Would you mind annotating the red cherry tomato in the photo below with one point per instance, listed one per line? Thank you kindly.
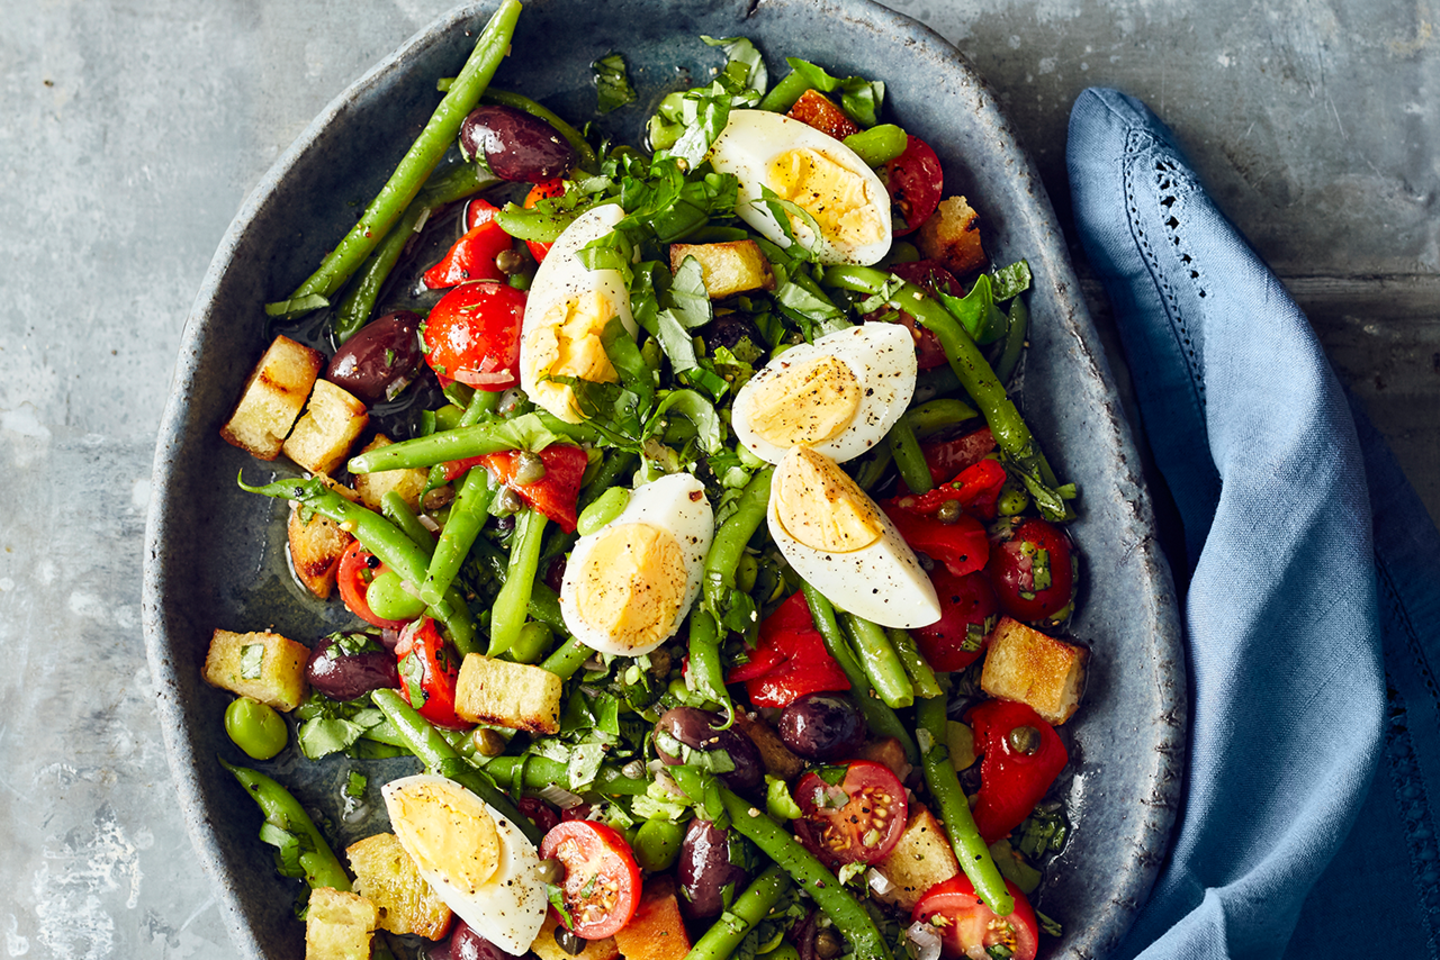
(542, 191)
(472, 257)
(969, 928)
(1011, 781)
(968, 611)
(358, 567)
(946, 458)
(931, 276)
(428, 671)
(961, 545)
(858, 820)
(790, 659)
(1030, 569)
(601, 888)
(817, 110)
(915, 182)
(473, 335)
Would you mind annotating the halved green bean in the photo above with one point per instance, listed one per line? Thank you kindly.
(752, 906)
(422, 157)
(881, 719)
(878, 145)
(394, 507)
(935, 415)
(909, 458)
(465, 442)
(707, 673)
(1014, 341)
(954, 810)
(441, 758)
(541, 772)
(848, 914)
(880, 661)
(281, 809)
(919, 670)
(569, 657)
(584, 153)
(507, 614)
(732, 536)
(467, 517)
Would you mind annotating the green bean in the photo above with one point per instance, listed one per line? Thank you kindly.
(421, 159)
(480, 407)
(878, 145)
(909, 458)
(732, 536)
(283, 811)
(750, 907)
(874, 466)
(467, 517)
(568, 658)
(954, 810)
(465, 442)
(507, 614)
(606, 507)
(616, 464)
(541, 772)
(544, 602)
(707, 673)
(382, 538)
(1014, 341)
(439, 757)
(813, 877)
(533, 643)
(783, 95)
(394, 507)
(584, 153)
(932, 417)
(880, 662)
(881, 719)
(921, 675)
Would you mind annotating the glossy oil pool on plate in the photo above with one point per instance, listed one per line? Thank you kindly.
(215, 555)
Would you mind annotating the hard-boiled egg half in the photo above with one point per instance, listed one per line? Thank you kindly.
(835, 537)
(814, 171)
(566, 313)
(628, 586)
(839, 395)
(475, 859)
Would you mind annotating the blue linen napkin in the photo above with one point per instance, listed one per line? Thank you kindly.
(1314, 705)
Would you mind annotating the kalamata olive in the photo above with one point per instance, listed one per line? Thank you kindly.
(466, 944)
(344, 666)
(705, 870)
(695, 728)
(728, 330)
(515, 145)
(822, 726)
(378, 361)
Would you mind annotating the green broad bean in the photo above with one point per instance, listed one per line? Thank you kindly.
(256, 728)
(607, 507)
(389, 599)
(657, 844)
(878, 145)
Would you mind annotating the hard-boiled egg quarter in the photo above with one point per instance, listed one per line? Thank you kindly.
(628, 586)
(475, 859)
(814, 171)
(839, 395)
(565, 314)
(835, 537)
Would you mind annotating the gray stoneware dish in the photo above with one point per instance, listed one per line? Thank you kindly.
(215, 555)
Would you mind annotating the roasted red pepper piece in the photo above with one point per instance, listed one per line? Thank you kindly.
(817, 110)
(947, 458)
(555, 494)
(790, 659)
(543, 190)
(1012, 781)
(977, 488)
(961, 546)
(472, 257)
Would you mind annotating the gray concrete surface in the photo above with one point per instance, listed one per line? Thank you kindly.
(130, 132)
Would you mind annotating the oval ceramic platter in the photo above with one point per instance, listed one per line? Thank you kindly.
(215, 555)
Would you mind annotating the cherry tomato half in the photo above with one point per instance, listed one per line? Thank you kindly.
(789, 660)
(819, 111)
(931, 276)
(542, 191)
(915, 182)
(601, 889)
(472, 257)
(968, 927)
(473, 335)
(946, 458)
(857, 820)
(968, 611)
(428, 671)
(1012, 780)
(1031, 570)
(358, 567)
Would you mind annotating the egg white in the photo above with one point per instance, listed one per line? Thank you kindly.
(675, 503)
(752, 139)
(881, 356)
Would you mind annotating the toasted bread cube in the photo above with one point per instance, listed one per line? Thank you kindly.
(338, 925)
(410, 484)
(546, 948)
(779, 760)
(514, 695)
(1028, 666)
(316, 545)
(728, 268)
(333, 419)
(263, 666)
(273, 397)
(952, 236)
(657, 930)
(387, 876)
(921, 859)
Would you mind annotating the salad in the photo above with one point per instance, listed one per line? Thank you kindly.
(702, 558)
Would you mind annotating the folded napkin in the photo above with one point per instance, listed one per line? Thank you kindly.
(1308, 824)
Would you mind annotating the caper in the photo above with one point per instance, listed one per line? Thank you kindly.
(507, 501)
(828, 944)
(488, 743)
(439, 497)
(256, 728)
(949, 512)
(529, 468)
(551, 871)
(569, 942)
(509, 261)
(1025, 740)
(745, 573)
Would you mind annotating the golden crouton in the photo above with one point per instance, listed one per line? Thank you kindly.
(263, 666)
(273, 397)
(322, 439)
(952, 236)
(316, 545)
(514, 695)
(728, 268)
(410, 484)
(921, 859)
(779, 760)
(338, 925)
(387, 876)
(546, 948)
(656, 931)
(1028, 666)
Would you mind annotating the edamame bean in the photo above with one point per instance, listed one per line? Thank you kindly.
(389, 600)
(256, 728)
(533, 644)
(606, 507)
(657, 845)
(880, 144)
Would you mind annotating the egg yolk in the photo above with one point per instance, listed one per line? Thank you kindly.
(567, 343)
(445, 829)
(831, 193)
(632, 584)
(820, 506)
(805, 403)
